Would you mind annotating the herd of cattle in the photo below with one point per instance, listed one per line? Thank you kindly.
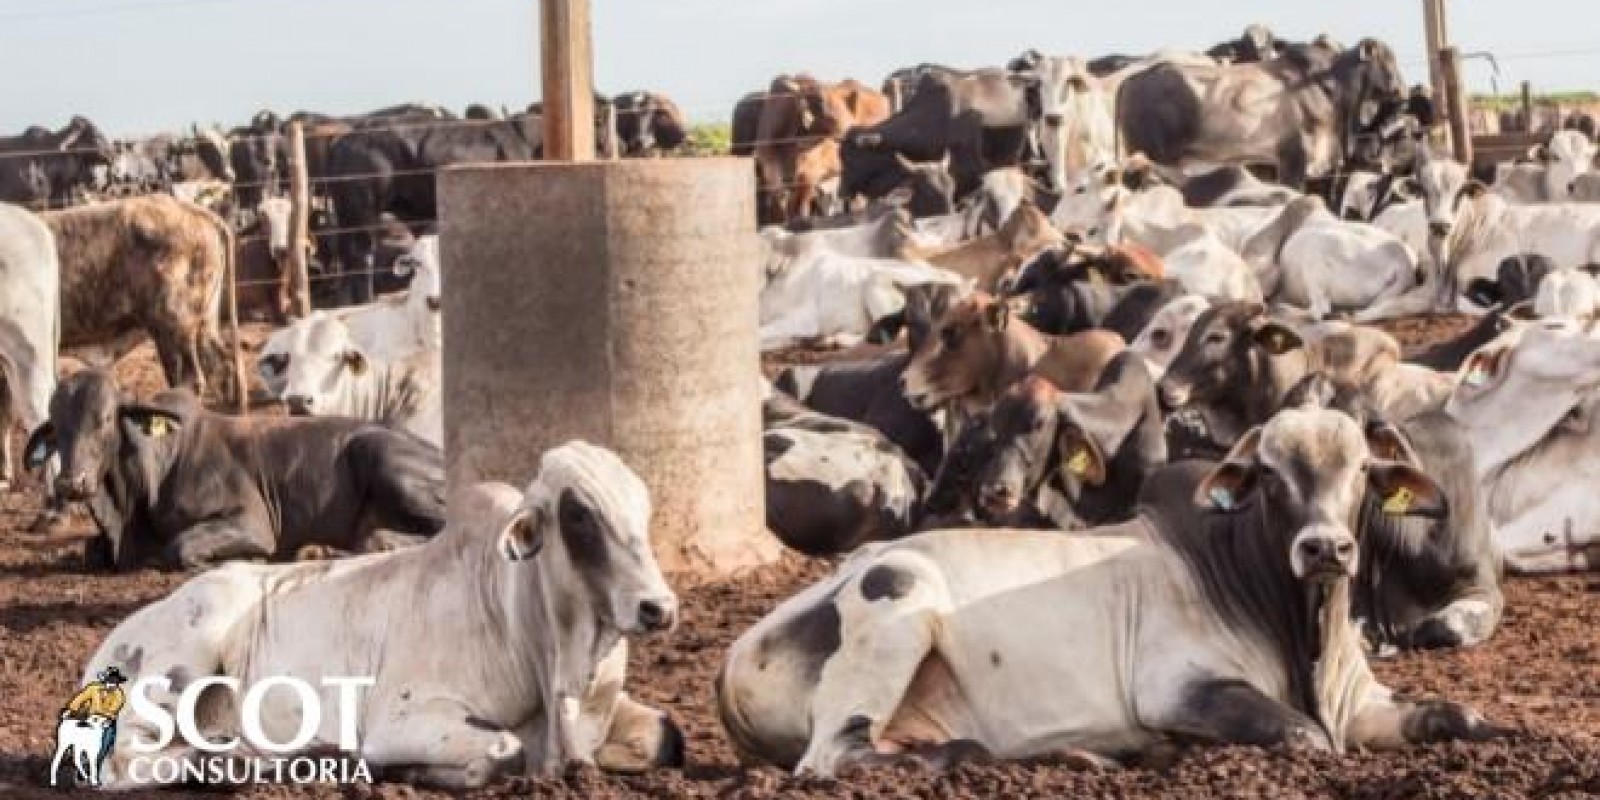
(1134, 398)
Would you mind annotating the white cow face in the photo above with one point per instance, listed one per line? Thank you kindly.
(1311, 468)
(1166, 332)
(274, 215)
(1444, 186)
(421, 262)
(588, 515)
(318, 358)
(1066, 92)
(1089, 199)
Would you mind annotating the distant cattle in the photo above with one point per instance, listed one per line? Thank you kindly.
(648, 122)
(170, 483)
(42, 169)
(797, 138)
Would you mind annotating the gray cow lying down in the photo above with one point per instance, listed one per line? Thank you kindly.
(495, 648)
(1230, 626)
(172, 483)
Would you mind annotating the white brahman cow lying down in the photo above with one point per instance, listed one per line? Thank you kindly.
(495, 648)
(387, 329)
(327, 373)
(822, 295)
(1529, 401)
(1220, 615)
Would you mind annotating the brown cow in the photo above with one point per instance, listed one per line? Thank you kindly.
(152, 265)
(991, 257)
(797, 138)
(981, 350)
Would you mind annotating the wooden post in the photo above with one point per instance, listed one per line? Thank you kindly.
(1527, 106)
(241, 387)
(299, 222)
(568, 76)
(1436, 39)
(1456, 102)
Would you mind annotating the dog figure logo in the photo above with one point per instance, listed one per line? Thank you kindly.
(88, 726)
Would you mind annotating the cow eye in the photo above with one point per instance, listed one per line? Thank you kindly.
(1216, 338)
(950, 337)
(1081, 190)
(1161, 338)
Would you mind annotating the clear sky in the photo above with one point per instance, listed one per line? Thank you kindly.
(139, 66)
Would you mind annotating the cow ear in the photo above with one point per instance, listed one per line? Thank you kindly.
(1404, 491)
(1226, 487)
(1277, 338)
(152, 422)
(1474, 189)
(997, 315)
(1388, 443)
(523, 535)
(1081, 456)
(41, 445)
(1407, 188)
(355, 360)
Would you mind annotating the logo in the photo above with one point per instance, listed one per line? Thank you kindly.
(253, 751)
(88, 726)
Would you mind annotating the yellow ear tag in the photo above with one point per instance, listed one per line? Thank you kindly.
(1399, 502)
(158, 426)
(1079, 463)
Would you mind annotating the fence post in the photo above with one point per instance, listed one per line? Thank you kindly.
(299, 221)
(1527, 106)
(567, 73)
(1456, 102)
(1434, 32)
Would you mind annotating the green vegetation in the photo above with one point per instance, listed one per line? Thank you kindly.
(1504, 102)
(709, 139)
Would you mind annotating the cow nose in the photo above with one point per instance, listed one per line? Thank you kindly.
(1326, 553)
(998, 498)
(655, 615)
(1439, 228)
(299, 404)
(1172, 396)
(1053, 120)
(74, 486)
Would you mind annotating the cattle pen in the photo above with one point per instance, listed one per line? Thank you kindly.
(925, 442)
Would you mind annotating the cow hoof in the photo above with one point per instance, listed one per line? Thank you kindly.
(48, 521)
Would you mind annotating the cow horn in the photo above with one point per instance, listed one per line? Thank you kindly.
(905, 163)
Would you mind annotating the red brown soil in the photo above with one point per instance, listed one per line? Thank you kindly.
(1540, 675)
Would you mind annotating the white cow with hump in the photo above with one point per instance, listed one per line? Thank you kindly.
(497, 647)
(30, 329)
(389, 329)
(1530, 401)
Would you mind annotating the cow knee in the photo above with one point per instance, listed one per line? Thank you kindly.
(658, 743)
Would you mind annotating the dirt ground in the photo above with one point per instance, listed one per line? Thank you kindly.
(1540, 675)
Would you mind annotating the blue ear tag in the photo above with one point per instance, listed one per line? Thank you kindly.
(1221, 498)
(1477, 377)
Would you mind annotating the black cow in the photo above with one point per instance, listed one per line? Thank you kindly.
(1233, 371)
(1062, 294)
(648, 122)
(1448, 356)
(391, 169)
(171, 483)
(833, 485)
(1517, 280)
(1316, 104)
(981, 119)
(41, 168)
(259, 155)
(869, 391)
(1046, 458)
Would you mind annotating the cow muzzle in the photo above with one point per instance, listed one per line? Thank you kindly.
(1439, 230)
(657, 614)
(1172, 395)
(1324, 553)
(998, 499)
(299, 405)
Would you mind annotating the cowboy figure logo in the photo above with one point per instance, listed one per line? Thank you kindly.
(88, 726)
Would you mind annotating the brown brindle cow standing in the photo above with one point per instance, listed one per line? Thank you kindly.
(149, 265)
(797, 138)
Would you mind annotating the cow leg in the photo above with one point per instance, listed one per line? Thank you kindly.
(1228, 711)
(441, 745)
(1292, 164)
(1463, 623)
(216, 541)
(1385, 722)
(888, 617)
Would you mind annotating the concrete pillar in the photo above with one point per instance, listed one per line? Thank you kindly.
(613, 302)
